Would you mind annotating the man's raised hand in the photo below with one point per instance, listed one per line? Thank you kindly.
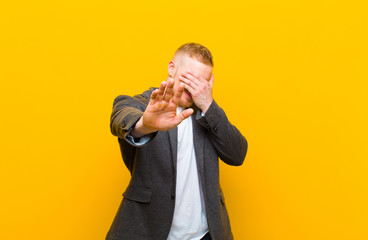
(160, 114)
(199, 88)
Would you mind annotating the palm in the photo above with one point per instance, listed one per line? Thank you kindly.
(160, 113)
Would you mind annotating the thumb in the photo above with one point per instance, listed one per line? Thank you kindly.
(183, 115)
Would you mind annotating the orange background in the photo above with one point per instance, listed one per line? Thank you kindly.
(291, 75)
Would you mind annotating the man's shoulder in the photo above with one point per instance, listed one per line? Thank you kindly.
(147, 93)
(142, 97)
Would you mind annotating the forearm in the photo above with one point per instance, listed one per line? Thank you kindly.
(230, 144)
(126, 113)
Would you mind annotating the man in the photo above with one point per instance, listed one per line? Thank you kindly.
(171, 139)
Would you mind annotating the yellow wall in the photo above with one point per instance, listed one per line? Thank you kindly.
(292, 75)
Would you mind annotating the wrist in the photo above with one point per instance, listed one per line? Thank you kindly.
(140, 129)
(206, 106)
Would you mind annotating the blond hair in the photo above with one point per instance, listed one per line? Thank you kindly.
(197, 51)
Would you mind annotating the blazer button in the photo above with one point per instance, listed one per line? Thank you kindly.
(172, 195)
(215, 129)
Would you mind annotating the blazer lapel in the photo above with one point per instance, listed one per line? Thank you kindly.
(173, 138)
(198, 141)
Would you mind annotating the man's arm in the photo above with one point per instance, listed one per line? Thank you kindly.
(230, 144)
(125, 114)
(138, 117)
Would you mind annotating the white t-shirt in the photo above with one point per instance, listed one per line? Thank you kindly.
(189, 221)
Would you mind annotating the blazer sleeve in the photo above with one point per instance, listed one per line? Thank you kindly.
(230, 144)
(125, 114)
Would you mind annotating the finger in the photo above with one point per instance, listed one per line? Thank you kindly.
(191, 78)
(183, 115)
(177, 94)
(169, 90)
(211, 81)
(154, 96)
(187, 82)
(161, 90)
(189, 88)
(196, 76)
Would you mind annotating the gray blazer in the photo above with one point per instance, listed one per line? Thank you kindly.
(147, 208)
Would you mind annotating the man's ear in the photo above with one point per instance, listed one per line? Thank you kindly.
(172, 68)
